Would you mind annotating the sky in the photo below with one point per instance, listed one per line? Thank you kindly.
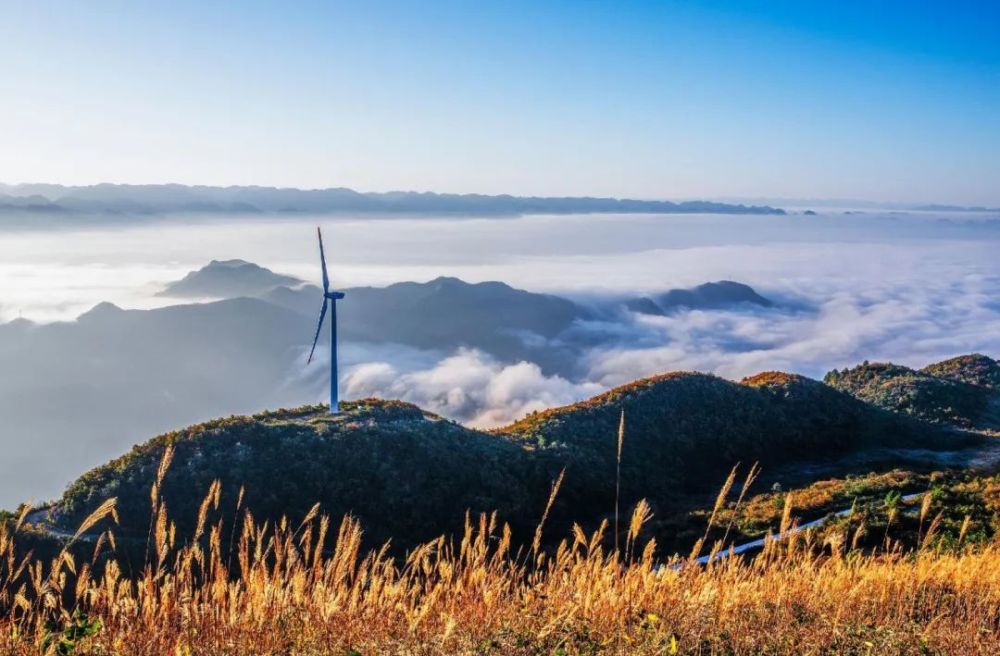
(882, 101)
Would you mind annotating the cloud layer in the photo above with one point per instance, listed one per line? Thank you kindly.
(469, 386)
(911, 322)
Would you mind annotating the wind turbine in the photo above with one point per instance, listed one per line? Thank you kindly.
(327, 297)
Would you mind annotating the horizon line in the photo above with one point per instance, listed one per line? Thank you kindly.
(728, 199)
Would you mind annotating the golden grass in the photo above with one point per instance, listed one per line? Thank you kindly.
(279, 592)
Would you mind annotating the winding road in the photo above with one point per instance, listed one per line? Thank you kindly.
(795, 530)
(43, 521)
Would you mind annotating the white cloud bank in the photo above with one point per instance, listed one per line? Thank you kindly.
(469, 386)
(908, 288)
(913, 322)
(908, 326)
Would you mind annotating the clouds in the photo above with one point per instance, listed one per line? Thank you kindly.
(911, 288)
(788, 257)
(912, 322)
(469, 386)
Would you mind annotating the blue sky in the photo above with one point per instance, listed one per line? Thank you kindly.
(873, 100)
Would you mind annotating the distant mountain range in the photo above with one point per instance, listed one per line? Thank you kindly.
(955, 208)
(110, 199)
(856, 203)
(445, 313)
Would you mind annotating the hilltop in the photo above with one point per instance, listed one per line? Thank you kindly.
(226, 279)
(410, 476)
(707, 296)
(963, 391)
(407, 473)
(975, 369)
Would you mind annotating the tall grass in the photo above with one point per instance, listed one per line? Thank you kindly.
(618, 473)
(291, 589)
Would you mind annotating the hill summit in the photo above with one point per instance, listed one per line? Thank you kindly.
(964, 391)
(227, 278)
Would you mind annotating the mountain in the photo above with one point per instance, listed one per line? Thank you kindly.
(174, 198)
(975, 369)
(963, 391)
(447, 313)
(509, 324)
(32, 203)
(410, 475)
(227, 278)
(708, 296)
(84, 389)
(955, 208)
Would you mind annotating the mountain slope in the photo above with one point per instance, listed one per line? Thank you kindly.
(447, 313)
(963, 391)
(684, 431)
(412, 476)
(406, 475)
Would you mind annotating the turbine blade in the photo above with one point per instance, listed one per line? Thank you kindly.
(322, 259)
(319, 326)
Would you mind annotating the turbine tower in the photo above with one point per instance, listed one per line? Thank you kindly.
(327, 297)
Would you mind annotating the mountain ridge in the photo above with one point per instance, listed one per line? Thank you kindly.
(410, 475)
(167, 198)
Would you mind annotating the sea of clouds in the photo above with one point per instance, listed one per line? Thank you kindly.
(837, 305)
(911, 288)
(915, 324)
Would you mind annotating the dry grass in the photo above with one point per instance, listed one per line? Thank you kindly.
(279, 592)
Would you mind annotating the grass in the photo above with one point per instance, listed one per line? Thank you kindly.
(297, 589)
